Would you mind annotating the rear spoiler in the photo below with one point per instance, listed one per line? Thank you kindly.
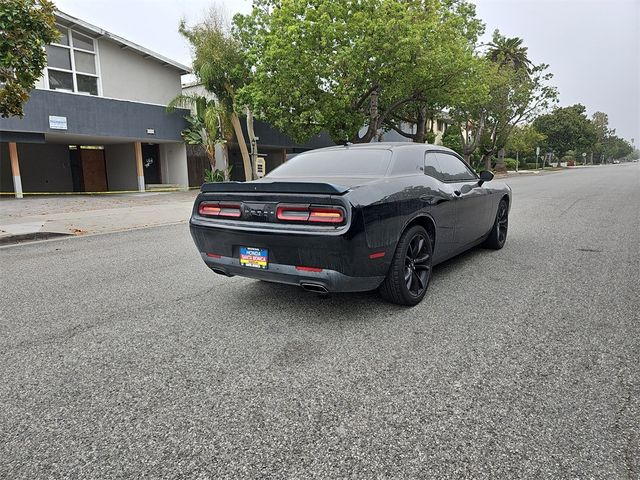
(275, 187)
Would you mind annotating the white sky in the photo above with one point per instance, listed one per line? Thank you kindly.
(592, 46)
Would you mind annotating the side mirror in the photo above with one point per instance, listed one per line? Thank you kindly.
(485, 176)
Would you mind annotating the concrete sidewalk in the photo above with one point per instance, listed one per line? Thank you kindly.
(85, 215)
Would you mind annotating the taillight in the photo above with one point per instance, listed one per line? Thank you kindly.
(293, 213)
(311, 214)
(326, 215)
(217, 209)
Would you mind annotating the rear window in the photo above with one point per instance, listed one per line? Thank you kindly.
(336, 163)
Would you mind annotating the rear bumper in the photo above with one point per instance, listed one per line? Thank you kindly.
(331, 280)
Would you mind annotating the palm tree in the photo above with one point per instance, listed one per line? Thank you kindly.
(208, 125)
(509, 52)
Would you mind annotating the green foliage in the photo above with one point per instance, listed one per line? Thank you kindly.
(567, 128)
(509, 52)
(212, 176)
(517, 91)
(206, 125)
(26, 26)
(451, 139)
(219, 60)
(608, 145)
(430, 137)
(616, 148)
(510, 163)
(325, 65)
(524, 139)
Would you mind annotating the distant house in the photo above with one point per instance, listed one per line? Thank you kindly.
(437, 126)
(96, 120)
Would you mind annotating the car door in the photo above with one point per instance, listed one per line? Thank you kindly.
(471, 203)
(439, 199)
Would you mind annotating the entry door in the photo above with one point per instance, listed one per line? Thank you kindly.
(94, 172)
(151, 163)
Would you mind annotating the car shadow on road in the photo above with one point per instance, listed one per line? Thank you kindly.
(292, 301)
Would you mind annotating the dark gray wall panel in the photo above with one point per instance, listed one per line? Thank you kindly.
(88, 115)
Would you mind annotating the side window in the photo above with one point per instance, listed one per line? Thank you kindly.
(408, 160)
(453, 169)
(431, 165)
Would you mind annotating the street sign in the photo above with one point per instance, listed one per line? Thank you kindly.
(537, 151)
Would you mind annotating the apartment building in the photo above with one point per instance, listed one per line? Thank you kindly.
(97, 119)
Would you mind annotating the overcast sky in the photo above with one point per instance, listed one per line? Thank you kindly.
(592, 46)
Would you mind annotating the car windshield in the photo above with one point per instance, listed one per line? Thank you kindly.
(336, 163)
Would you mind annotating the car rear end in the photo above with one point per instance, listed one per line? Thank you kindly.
(299, 233)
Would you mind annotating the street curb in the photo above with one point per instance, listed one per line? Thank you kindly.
(59, 237)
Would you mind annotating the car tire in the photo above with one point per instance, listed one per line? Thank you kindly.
(408, 278)
(498, 235)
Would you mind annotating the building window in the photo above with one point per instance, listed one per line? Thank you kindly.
(72, 65)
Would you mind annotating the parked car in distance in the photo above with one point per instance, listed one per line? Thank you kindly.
(352, 218)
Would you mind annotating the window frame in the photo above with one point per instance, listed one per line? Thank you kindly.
(74, 72)
(456, 156)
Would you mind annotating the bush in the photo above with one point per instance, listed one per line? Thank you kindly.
(510, 163)
(532, 166)
(212, 176)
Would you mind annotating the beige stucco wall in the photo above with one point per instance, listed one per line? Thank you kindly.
(173, 164)
(129, 76)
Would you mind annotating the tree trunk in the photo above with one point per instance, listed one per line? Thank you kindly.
(500, 166)
(246, 161)
(486, 159)
(372, 129)
(421, 125)
(225, 158)
(252, 139)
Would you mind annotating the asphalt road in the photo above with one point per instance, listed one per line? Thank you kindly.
(122, 355)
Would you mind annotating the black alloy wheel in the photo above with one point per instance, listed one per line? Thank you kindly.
(410, 271)
(498, 236)
(417, 264)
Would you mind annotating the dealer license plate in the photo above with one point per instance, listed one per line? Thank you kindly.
(254, 257)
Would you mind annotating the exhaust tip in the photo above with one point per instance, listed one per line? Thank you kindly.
(220, 271)
(315, 288)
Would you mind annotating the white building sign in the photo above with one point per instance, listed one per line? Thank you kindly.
(57, 123)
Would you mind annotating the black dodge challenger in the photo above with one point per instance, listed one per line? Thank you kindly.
(352, 218)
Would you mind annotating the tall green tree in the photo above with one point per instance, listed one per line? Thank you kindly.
(565, 129)
(221, 65)
(26, 27)
(524, 139)
(343, 65)
(519, 91)
(509, 52)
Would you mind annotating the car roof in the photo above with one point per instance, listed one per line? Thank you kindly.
(384, 146)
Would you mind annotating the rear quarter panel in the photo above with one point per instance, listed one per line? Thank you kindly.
(391, 204)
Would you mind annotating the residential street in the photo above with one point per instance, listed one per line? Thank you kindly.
(123, 356)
